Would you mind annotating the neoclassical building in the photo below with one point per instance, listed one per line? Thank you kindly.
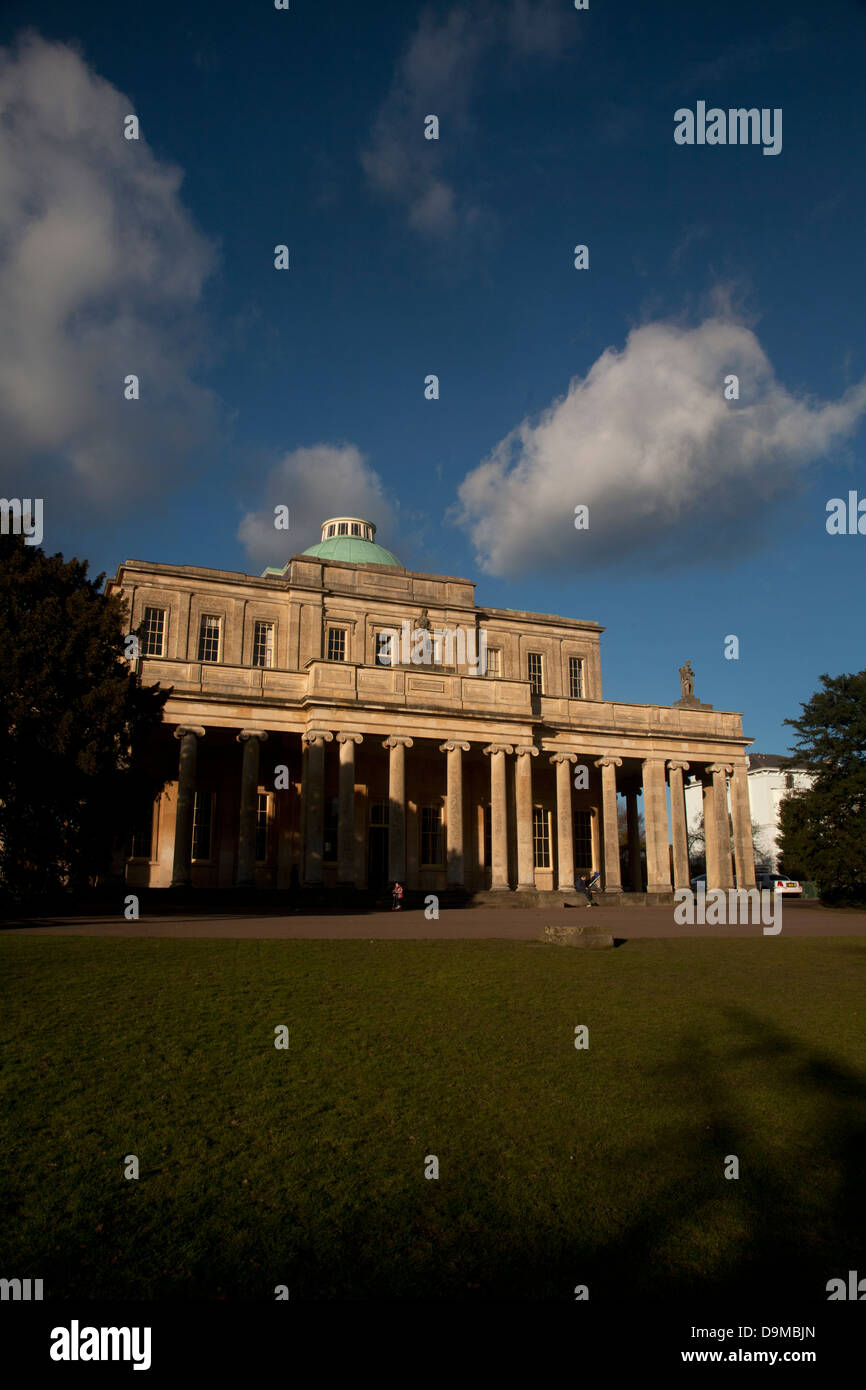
(345, 722)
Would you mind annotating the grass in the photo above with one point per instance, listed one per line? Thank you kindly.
(305, 1167)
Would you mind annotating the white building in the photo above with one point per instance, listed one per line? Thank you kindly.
(768, 785)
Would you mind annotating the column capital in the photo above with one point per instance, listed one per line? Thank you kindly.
(183, 729)
(498, 748)
(398, 741)
(316, 738)
(520, 749)
(563, 757)
(608, 762)
(719, 767)
(343, 737)
(452, 744)
(245, 734)
(674, 766)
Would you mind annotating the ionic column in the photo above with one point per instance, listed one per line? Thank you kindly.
(612, 876)
(455, 869)
(741, 814)
(313, 796)
(250, 740)
(655, 810)
(721, 827)
(564, 824)
(346, 810)
(524, 753)
(498, 814)
(397, 745)
(679, 830)
(188, 736)
(633, 829)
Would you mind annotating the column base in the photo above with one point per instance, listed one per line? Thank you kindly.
(659, 888)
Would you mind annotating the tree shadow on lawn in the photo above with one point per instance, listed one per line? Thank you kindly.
(792, 1220)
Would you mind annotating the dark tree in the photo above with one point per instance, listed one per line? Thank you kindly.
(823, 829)
(75, 723)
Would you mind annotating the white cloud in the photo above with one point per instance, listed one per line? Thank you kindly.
(316, 483)
(438, 75)
(100, 273)
(668, 467)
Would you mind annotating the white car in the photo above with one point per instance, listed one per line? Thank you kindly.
(778, 883)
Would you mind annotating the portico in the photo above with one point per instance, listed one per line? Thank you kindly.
(296, 745)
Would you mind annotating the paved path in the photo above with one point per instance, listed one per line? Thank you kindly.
(511, 924)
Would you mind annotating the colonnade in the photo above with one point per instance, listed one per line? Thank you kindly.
(666, 854)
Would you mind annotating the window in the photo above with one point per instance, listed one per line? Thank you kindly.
(384, 642)
(431, 834)
(379, 813)
(541, 837)
(534, 672)
(142, 839)
(494, 661)
(202, 825)
(332, 817)
(263, 817)
(263, 645)
(331, 530)
(153, 632)
(342, 528)
(336, 644)
(209, 638)
(583, 842)
(575, 677)
(356, 529)
(789, 781)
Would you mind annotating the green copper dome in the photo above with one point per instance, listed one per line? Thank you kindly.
(349, 539)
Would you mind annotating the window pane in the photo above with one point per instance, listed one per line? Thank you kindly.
(329, 849)
(431, 834)
(575, 677)
(202, 825)
(383, 648)
(262, 809)
(142, 839)
(541, 837)
(583, 842)
(209, 638)
(336, 644)
(153, 632)
(263, 645)
(493, 662)
(534, 672)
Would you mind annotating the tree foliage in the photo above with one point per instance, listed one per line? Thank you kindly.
(75, 721)
(823, 829)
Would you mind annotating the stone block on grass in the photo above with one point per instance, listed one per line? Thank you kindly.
(586, 937)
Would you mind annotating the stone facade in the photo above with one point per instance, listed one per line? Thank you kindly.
(294, 751)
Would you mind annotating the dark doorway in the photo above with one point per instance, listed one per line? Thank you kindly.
(377, 846)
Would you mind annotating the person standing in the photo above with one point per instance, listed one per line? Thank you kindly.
(397, 897)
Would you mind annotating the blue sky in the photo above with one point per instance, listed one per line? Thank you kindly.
(455, 257)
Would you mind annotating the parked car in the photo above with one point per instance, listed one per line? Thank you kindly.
(702, 880)
(780, 883)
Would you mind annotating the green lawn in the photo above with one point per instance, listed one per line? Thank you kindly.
(557, 1166)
